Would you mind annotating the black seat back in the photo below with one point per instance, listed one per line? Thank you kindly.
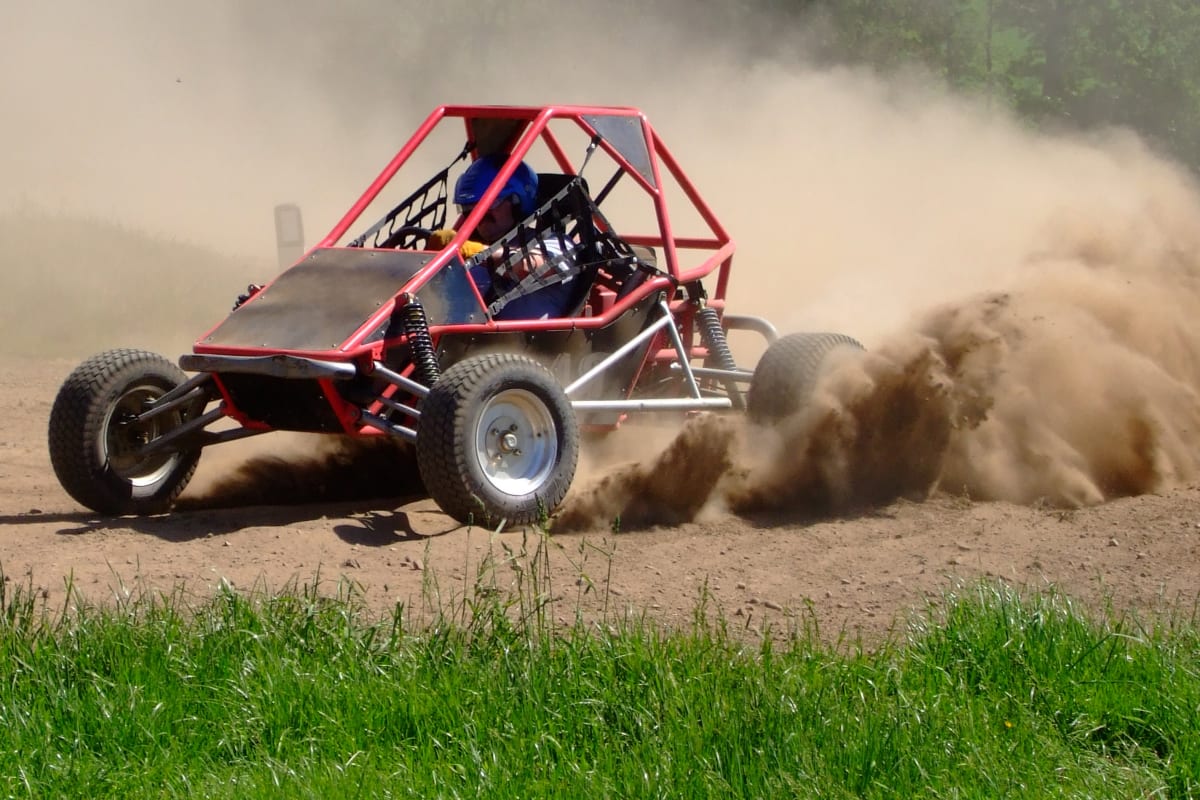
(551, 183)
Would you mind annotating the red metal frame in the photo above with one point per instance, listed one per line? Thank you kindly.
(537, 119)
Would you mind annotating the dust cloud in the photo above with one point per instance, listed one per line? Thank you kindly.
(1025, 297)
(326, 469)
(1077, 383)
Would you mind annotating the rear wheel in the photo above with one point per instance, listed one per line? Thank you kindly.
(787, 373)
(497, 441)
(96, 439)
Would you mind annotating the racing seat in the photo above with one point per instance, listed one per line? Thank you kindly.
(551, 183)
(576, 206)
(606, 258)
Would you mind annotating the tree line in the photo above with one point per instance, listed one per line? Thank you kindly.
(1085, 63)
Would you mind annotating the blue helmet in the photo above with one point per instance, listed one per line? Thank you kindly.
(476, 179)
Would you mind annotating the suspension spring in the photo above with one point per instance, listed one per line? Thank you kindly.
(719, 355)
(714, 338)
(420, 343)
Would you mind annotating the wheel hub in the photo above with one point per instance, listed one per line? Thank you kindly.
(126, 437)
(508, 444)
(516, 445)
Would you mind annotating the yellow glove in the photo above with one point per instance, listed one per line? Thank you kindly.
(440, 238)
(470, 248)
(443, 236)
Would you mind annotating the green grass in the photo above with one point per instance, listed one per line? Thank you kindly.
(297, 695)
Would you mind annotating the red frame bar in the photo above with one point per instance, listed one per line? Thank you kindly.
(538, 119)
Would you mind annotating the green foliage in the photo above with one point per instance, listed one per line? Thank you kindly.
(300, 695)
(1084, 63)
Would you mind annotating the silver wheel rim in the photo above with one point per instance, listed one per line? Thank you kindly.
(515, 442)
(124, 436)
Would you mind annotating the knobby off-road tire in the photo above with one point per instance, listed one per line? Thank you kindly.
(497, 441)
(94, 437)
(787, 374)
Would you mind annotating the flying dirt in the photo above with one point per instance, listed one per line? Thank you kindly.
(1077, 385)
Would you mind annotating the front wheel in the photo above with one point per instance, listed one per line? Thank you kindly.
(497, 441)
(96, 437)
(787, 373)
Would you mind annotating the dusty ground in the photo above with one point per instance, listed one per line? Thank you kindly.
(859, 573)
(1029, 300)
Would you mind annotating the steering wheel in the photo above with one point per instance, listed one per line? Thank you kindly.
(400, 238)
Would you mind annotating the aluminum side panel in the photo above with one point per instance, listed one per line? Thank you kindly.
(320, 302)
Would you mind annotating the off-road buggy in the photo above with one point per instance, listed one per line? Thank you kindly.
(380, 335)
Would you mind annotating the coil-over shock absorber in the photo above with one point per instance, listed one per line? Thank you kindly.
(714, 338)
(719, 355)
(420, 344)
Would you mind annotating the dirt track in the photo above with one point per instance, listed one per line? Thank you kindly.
(851, 574)
(1029, 299)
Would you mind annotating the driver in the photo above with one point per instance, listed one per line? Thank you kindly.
(517, 200)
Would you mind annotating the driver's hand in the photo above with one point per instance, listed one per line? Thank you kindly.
(440, 238)
(470, 249)
(443, 236)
